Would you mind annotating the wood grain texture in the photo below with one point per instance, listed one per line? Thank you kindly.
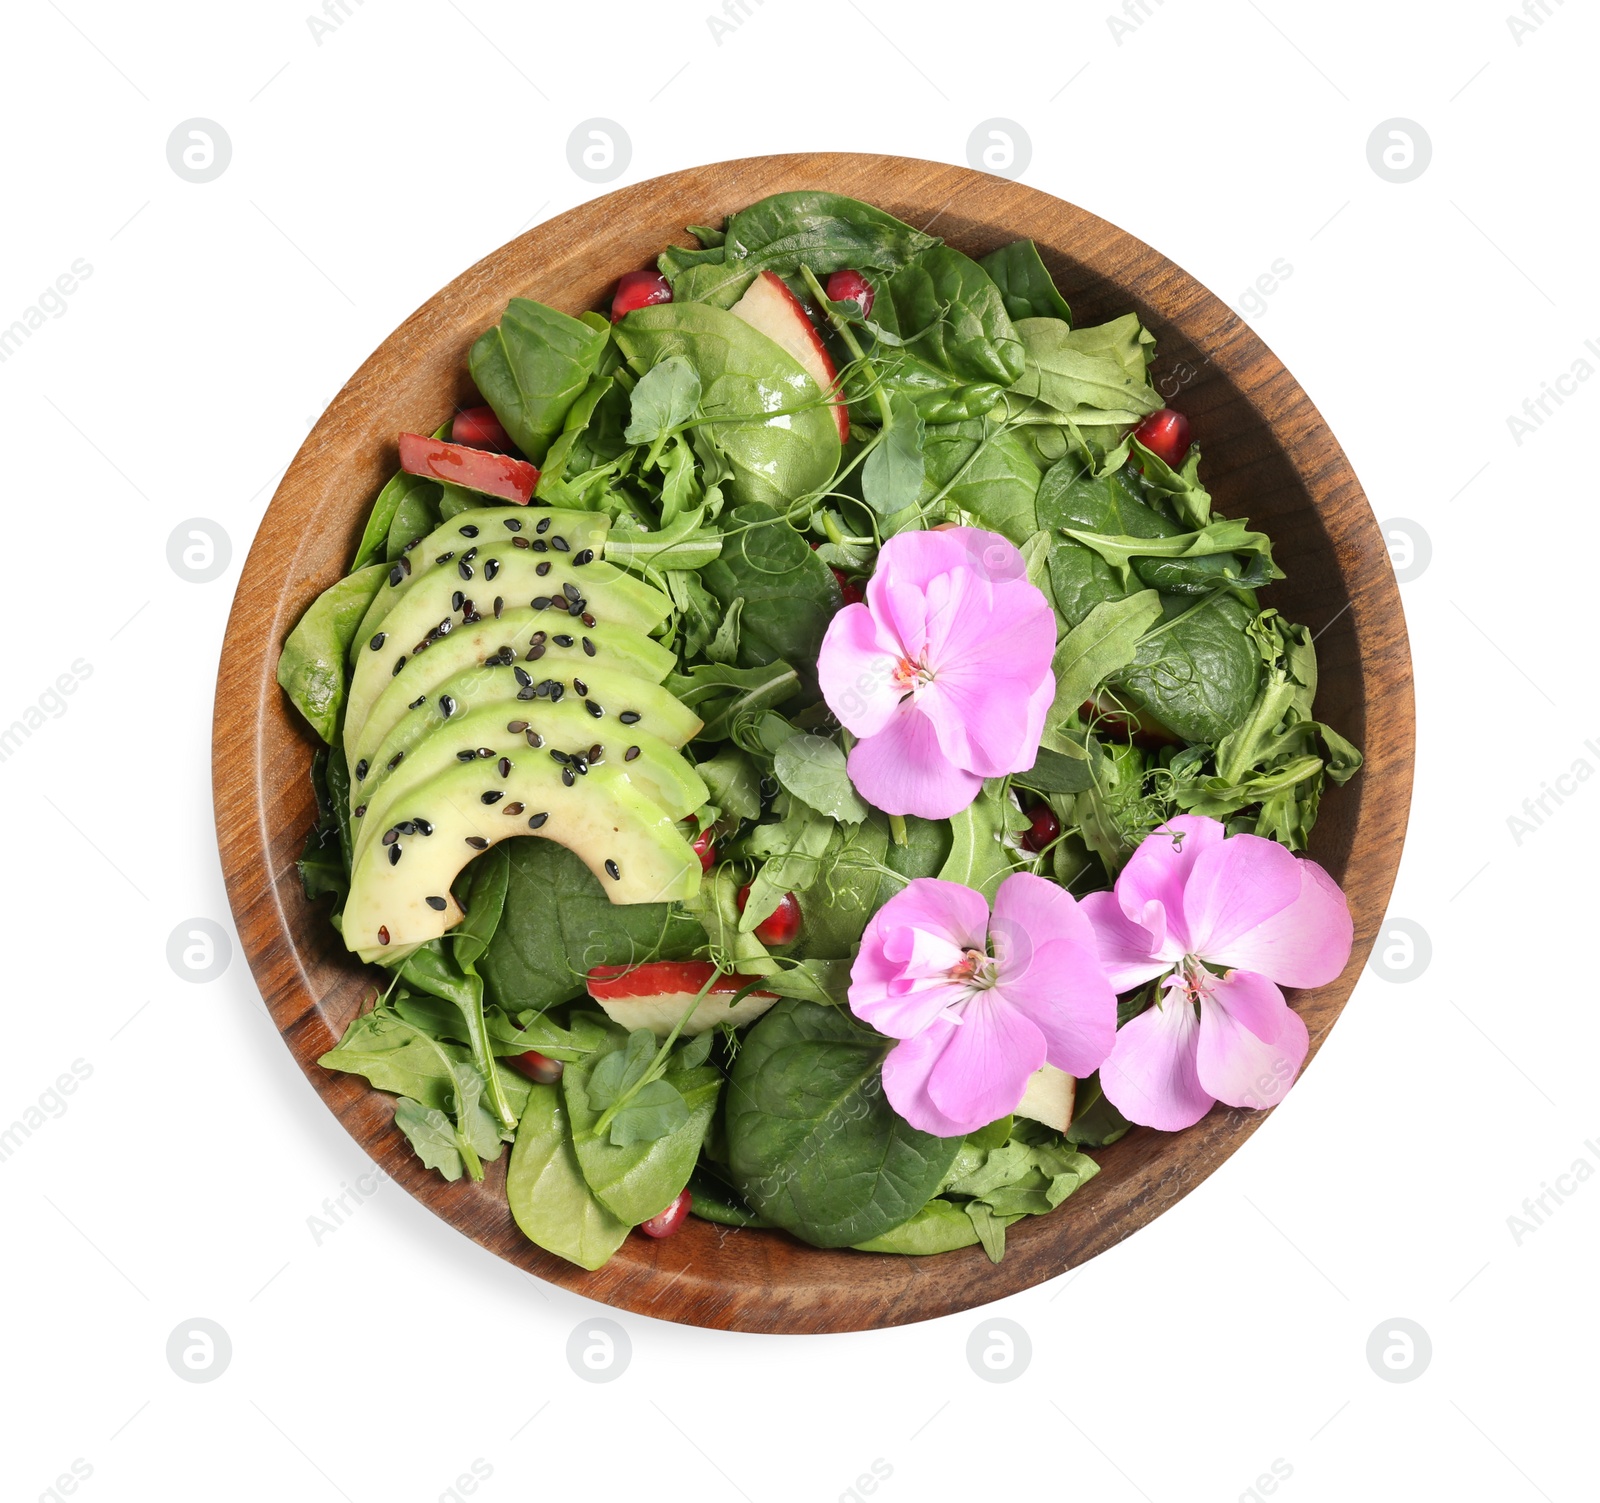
(1268, 456)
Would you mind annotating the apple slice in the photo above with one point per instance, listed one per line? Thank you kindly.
(476, 469)
(771, 309)
(654, 996)
(1049, 1098)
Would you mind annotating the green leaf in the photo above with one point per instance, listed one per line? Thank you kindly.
(984, 475)
(682, 544)
(813, 1144)
(724, 646)
(620, 1070)
(665, 398)
(891, 477)
(813, 768)
(1026, 288)
(311, 667)
(1092, 378)
(939, 1226)
(548, 1195)
(373, 547)
(531, 367)
(490, 874)
(790, 852)
(721, 695)
(1224, 535)
(978, 857)
(950, 316)
(1104, 643)
(734, 782)
(431, 1135)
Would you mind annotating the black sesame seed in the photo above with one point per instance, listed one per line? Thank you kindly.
(580, 763)
(630, 754)
(597, 753)
(540, 602)
(378, 640)
(396, 574)
(593, 708)
(562, 639)
(383, 934)
(407, 827)
(390, 836)
(468, 530)
(583, 556)
(469, 555)
(613, 870)
(535, 821)
(580, 686)
(587, 619)
(535, 740)
(527, 694)
(491, 567)
(516, 727)
(457, 601)
(544, 525)
(561, 545)
(464, 569)
(560, 756)
(467, 756)
(396, 760)
(519, 542)
(533, 654)
(418, 702)
(556, 692)
(629, 717)
(576, 608)
(524, 678)
(540, 546)
(470, 616)
(437, 904)
(499, 606)
(504, 764)
(412, 544)
(447, 706)
(570, 590)
(493, 796)
(513, 808)
(537, 639)
(513, 524)
(423, 827)
(361, 809)
(543, 687)
(568, 776)
(394, 855)
(361, 769)
(445, 558)
(446, 627)
(477, 842)
(588, 647)
(542, 569)
(485, 753)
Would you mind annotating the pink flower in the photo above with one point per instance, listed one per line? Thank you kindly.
(1225, 922)
(944, 673)
(980, 1003)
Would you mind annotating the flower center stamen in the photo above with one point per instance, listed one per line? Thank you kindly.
(975, 970)
(910, 675)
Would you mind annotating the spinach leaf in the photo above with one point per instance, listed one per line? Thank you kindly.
(940, 1226)
(558, 922)
(789, 594)
(734, 783)
(984, 473)
(813, 1144)
(549, 1197)
(421, 509)
(1104, 643)
(646, 1109)
(891, 477)
(665, 398)
(950, 315)
(1058, 772)
(1095, 1122)
(373, 547)
(1198, 673)
(322, 865)
(1026, 288)
(638, 1178)
(824, 231)
(979, 856)
(760, 411)
(311, 667)
(531, 367)
(721, 695)
(813, 768)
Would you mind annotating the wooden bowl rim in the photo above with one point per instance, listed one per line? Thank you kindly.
(762, 1281)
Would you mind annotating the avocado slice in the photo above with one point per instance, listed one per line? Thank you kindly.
(400, 892)
(662, 774)
(463, 654)
(543, 530)
(444, 601)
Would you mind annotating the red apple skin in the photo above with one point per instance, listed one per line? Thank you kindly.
(657, 978)
(850, 286)
(476, 469)
(826, 375)
(639, 289)
(1166, 435)
(667, 1222)
(479, 428)
(536, 1066)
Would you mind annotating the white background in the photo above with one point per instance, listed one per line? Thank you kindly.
(369, 168)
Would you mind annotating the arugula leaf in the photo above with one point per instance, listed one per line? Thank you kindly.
(311, 666)
(548, 1195)
(531, 367)
(1104, 643)
(1091, 380)
(720, 695)
(666, 397)
(1026, 288)
(681, 544)
(979, 857)
(790, 852)
(432, 1136)
(734, 782)
(724, 646)
(813, 1144)
(813, 768)
(939, 1226)
(892, 476)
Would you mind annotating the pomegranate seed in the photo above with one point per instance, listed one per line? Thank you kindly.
(537, 1066)
(1166, 435)
(669, 1220)
(848, 588)
(638, 289)
(1043, 827)
(479, 428)
(850, 286)
(704, 846)
(782, 925)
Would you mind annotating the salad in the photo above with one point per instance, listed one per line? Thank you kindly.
(907, 781)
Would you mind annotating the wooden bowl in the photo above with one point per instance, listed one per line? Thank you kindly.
(1268, 456)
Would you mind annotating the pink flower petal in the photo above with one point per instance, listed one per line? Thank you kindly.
(915, 558)
(903, 610)
(1150, 1074)
(1129, 953)
(902, 771)
(1233, 887)
(905, 1080)
(855, 665)
(1304, 944)
(1252, 1043)
(1159, 868)
(899, 981)
(983, 1069)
